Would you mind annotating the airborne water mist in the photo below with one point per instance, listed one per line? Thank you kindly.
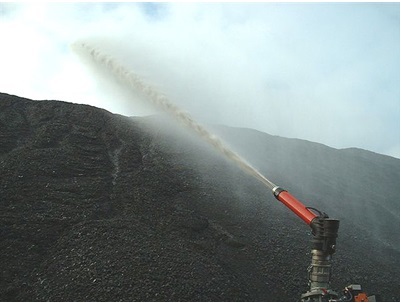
(160, 100)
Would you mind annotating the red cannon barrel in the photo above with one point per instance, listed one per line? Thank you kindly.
(295, 205)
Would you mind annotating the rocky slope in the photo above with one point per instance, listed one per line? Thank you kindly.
(101, 207)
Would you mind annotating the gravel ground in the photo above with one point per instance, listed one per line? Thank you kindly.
(101, 207)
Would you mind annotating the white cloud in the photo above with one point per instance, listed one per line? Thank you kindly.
(324, 72)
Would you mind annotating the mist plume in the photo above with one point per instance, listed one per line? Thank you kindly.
(134, 81)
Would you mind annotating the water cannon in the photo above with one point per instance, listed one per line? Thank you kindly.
(324, 231)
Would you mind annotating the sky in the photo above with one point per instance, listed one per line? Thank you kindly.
(323, 72)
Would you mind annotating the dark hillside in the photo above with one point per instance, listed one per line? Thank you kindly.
(101, 207)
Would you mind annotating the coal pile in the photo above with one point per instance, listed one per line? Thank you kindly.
(101, 207)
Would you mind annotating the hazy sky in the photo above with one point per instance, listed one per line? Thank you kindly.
(324, 72)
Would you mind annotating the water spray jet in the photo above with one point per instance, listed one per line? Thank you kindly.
(134, 81)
